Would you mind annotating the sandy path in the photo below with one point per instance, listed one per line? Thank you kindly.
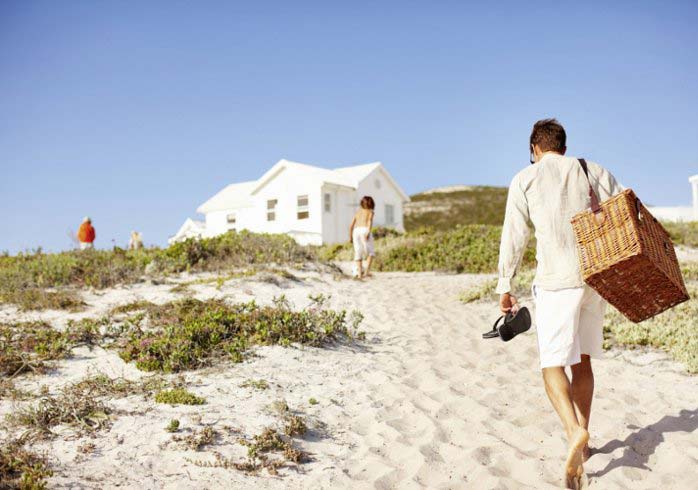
(423, 403)
(443, 408)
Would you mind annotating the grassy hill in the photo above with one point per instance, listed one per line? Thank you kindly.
(446, 207)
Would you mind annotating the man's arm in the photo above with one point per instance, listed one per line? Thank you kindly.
(607, 184)
(515, 236)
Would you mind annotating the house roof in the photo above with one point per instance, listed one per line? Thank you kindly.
(232, 196)
(322, 175)
(237, 196)
(194, 223)
(189, 224)
(357, 173)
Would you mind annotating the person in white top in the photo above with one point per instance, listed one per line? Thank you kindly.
(569, 314)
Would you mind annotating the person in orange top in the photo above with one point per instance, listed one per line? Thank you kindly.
(86, 234)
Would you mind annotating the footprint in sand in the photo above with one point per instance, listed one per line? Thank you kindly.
(483, 455)
(431, 454)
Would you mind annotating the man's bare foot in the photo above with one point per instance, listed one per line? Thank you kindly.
(573, 466)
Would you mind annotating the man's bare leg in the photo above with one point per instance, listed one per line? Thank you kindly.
(582, 394)
(559, 390)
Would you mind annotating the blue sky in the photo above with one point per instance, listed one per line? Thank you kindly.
(135, 112)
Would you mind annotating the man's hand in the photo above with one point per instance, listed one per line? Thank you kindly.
(508, 303)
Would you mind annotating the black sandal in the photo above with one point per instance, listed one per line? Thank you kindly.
(513, 325)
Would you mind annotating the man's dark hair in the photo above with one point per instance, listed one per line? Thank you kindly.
(367, 202)
(549, 135)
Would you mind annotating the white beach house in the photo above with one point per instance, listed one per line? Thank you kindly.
(679, 213)
(312, 204)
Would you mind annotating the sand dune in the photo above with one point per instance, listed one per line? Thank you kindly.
(424, 402)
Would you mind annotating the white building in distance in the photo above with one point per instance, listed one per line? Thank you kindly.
(679, 213)
(312, 204)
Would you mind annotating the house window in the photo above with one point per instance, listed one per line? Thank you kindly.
(303, 210)
(230, 218)
(389, 214)
(271, 209)
(328, 202)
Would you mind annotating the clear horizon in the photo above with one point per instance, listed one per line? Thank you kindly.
(134, 114)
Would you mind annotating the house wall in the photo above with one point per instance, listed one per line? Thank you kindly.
(673, 213)
(285, 188)
(383, 192)
(335, 223)
(216, 222)
(320, 227)
(679, 213)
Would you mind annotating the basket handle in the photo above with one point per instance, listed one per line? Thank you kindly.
(595, 206)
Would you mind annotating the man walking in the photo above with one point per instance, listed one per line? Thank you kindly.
(86, 234)
(569, 314)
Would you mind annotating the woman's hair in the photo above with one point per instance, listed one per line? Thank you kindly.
(367, 202)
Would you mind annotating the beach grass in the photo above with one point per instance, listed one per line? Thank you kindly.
(179, 396)
(466, 248)
(683, 233)
(22, 467)
(443, 211)
(674, 331)
(190, 334)
(25, 278)
(34, 298)
(29, 346)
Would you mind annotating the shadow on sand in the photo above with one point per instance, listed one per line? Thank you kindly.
(642, 443)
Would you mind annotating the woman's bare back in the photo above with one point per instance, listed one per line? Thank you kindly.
(363, 218)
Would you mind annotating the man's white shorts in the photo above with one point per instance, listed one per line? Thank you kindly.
(569, 323)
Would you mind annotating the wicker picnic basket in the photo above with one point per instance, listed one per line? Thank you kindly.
(626, 255)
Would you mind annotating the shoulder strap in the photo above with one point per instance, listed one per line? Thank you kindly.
(595, 206)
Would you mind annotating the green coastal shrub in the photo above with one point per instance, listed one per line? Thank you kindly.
(683, 233)
(446, 210)
(22, 468)
(233, 249)
(189, 334)
(674, 331)
(382, 232)
(40, 299)
(485, 290)
(469, 248)
(179, 396)
(78, 405)
(689, 270)
(27, 346)
(24, 277)
(105, 268)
